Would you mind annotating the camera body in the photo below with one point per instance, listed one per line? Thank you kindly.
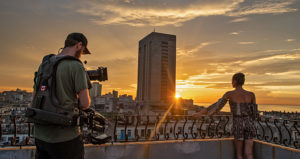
(100, 74)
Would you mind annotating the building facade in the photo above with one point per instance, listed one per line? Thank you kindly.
(156, 69)
(96, 89)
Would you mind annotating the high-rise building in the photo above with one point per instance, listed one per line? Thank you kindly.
(115, 94)
(96, 89)
(156, 69)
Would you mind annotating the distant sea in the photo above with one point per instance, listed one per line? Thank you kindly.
(262, 107)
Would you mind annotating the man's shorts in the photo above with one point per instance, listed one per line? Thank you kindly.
(72, 149)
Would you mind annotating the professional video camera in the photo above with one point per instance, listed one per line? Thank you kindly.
(100, 74)
(95, 124)
(93, 120)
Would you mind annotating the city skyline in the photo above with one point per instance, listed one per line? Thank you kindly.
(215, 39)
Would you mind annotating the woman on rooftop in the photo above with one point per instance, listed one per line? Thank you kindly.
(244, 110)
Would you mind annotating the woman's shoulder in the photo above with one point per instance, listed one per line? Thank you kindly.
(228, 94)
(252, 96)
(250, 93)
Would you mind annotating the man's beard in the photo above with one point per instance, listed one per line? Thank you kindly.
(78, 53)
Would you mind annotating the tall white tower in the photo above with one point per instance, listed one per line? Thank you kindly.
(96, 89)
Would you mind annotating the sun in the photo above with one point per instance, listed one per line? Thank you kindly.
(177, 95)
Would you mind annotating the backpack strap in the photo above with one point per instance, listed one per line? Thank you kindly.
(47, 57)
(67, 57)
(49, 67)
(57, 61)
(61, 58)
(52, 84)
(39, 74)
(47, 74)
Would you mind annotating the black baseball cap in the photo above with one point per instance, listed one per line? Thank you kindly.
(74, 38)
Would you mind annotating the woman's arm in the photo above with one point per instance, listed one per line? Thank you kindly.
(255, 106)
(216, 107)
(226, 95)
(253, 100)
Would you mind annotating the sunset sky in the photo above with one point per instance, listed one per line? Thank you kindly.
(215, 39)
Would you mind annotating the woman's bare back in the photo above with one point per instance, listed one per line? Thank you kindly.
(241, 96)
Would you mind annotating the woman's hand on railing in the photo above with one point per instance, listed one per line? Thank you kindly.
(200, 113)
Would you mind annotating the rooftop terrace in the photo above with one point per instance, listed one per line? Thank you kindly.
(175, 149)
(176, 137)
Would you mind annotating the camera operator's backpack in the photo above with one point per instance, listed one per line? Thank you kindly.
(45, 107)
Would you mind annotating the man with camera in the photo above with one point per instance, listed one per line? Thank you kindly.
(70, 83)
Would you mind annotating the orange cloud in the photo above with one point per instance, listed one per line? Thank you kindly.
(168, 12)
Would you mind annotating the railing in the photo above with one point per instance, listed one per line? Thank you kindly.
(154, 128)
(132, 128)
(279, 131)
(15, 125)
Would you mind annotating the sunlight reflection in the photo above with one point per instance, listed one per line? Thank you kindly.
(161, 121)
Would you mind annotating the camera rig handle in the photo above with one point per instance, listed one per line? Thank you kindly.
(95, 122)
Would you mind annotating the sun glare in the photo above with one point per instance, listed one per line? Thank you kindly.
(177, 95)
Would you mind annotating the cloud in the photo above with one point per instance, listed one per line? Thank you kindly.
(223, 81)
(215, 82)
(174, 12)
(246, 42)
(193, 50)
(280, 56)
(264, 7)
(234, 33)
(261, 64)
(153, 13)
(244, 19)
(133, 85)
(128, 1)
(283, 86)
(272, 69)
(290, 40)
(274, 50)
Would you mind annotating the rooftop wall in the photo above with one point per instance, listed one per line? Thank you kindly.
(175, 149)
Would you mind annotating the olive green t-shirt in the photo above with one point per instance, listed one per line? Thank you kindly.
(70, 80)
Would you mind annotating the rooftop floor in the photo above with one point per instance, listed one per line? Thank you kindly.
(175, 149)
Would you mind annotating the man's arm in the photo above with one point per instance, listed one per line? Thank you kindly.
(84, 99)
(81, 86)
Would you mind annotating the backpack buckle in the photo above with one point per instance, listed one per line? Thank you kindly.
(43, 88)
